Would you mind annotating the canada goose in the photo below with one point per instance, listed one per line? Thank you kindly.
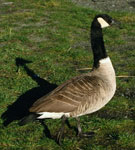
(83, 94)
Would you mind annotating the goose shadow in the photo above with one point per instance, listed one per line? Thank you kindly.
(20, 108)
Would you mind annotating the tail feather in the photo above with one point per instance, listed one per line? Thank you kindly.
(30, 118)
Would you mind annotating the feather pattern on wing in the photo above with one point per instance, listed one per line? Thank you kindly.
(68, 96)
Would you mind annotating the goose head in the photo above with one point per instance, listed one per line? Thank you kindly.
(103, 21)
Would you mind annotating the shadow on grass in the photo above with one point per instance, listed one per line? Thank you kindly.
(20, 108)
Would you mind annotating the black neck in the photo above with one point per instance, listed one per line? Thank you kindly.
(97, 44)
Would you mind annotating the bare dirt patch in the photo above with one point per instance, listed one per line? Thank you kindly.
(108, 5)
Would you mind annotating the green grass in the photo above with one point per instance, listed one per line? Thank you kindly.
(54, 35)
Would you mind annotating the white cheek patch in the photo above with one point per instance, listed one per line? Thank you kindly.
(102, 22)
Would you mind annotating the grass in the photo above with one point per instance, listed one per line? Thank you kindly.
(54, 36)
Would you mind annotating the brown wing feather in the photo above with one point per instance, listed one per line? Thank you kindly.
(68, 96)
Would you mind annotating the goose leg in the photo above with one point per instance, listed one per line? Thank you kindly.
(80, 133)
(61, 130)
(46, 130)
(79, 127)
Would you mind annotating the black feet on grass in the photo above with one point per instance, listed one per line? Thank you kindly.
(80, 134)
